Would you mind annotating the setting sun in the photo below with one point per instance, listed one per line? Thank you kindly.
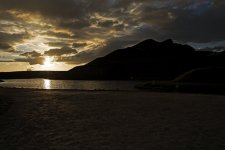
(48, 61)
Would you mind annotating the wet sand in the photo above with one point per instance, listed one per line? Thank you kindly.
(60, 119)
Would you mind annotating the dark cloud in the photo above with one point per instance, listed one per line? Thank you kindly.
(33, 58)
(5, 47)
(57, 34)
(205, 27)
(4, 61)
(7, 16)
(32, 61)
(13, 37)
(109, 24)
(33, 54)
(60, 52)
(51, 8)
(181, 20)
(74, 24)
(79, 58)
(58, 44)
(79, 44)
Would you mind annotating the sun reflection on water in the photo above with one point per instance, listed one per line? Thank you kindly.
(47, 84)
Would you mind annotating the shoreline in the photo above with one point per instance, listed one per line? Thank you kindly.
(150, 86)
(68, 119)
(136, 90)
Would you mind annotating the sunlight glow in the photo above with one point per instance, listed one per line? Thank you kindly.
(47, 84)
(48, 61)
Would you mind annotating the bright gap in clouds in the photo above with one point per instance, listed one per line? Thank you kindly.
(49, 61)
(51, 65)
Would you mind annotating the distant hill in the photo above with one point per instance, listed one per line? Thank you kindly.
(208, 80)
(209, 75)
(33, 74)
(148, 60)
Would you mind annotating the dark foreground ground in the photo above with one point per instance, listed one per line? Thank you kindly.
(40, 119)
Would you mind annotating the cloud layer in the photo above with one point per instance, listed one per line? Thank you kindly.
(77, 31)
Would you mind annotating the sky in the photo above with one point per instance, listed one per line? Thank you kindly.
(62, 34)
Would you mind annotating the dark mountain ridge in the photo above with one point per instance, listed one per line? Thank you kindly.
(148, 60)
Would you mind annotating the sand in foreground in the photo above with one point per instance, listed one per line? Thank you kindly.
(39, 119)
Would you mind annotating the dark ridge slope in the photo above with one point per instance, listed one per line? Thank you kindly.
(148, 60)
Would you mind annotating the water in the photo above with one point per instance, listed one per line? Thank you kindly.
(69, 84)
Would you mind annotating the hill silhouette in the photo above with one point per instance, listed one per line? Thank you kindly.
(215, 75)
(148, 60)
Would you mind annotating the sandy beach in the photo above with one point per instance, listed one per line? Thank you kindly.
(67, 119)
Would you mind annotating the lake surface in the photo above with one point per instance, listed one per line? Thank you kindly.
(69, 84)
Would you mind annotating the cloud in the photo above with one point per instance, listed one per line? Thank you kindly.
(50, 8)
(176, 19)
(74, 24)
(32, 58)
(57, 34)
(205, 27)
(9, 40)
(6, 47)
(75, 14)
(79, 58)
(79, 44)
(61, 51)
(13, 37)
(31, 54)
(101, 26)
(32, 61)
(107, 23)
(58, 44)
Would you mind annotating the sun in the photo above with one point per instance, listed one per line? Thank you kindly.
(48, 61)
